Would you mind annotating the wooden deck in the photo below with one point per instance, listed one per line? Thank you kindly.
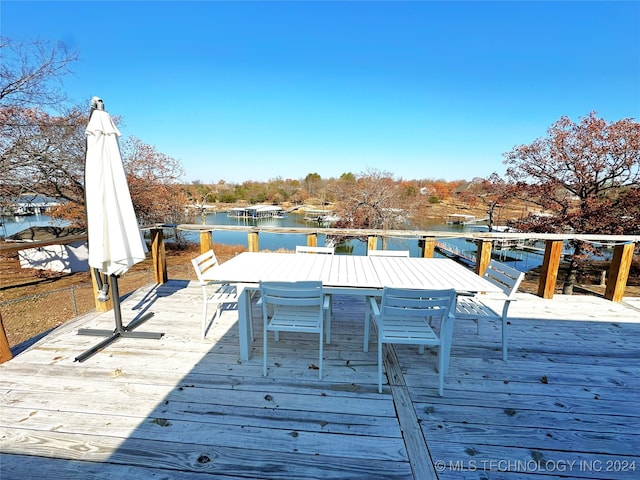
(565, 405)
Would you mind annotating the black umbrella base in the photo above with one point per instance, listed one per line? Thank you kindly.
(113, 335)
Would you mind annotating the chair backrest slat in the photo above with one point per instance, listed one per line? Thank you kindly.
(203, 263)
(303, 293)
(504, 276)
(417, 302)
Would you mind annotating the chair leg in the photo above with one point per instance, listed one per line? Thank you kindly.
(327, 324)
(320, 356)
(441, 370)
(367, 324)
(264, 351)
(329, 314)
(504, 339)
(252, 334)
(203, 328)
(379, 364)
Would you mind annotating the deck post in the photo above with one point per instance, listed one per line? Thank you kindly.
(483, 255)
(100, 305)
(5, 350)
(619, 272)
(252, 241)
(372, 243)
(206, 241)
(550, 264)
(428, 246)
(158, 256)
(312, 240)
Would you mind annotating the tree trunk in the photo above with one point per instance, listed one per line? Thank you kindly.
(572, 273)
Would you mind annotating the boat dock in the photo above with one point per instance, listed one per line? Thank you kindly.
(257, 212)
(468, 257)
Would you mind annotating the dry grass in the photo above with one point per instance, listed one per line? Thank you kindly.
(34, 301)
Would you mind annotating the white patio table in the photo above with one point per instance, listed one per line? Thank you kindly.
(346, 274)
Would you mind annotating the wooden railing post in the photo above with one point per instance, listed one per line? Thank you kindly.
(206, 241)
(5, 350)
(483, 255)
(312, 240)
(158, 256)
(550, 264)
(372, 243)
(619, 272)
(100, 306)
(252, 241)
(428, 246)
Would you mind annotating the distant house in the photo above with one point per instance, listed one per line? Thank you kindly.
(66, 258)
(27, 205)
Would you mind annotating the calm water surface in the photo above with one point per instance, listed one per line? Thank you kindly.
(288, 241)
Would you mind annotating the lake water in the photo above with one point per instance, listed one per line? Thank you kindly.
(275, 241)
(11, 225)
(288, 241)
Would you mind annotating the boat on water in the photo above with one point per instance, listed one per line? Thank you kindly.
(257, 212)
(324, 217)
(460, 219)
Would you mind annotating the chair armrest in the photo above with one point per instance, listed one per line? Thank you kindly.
(493, 296)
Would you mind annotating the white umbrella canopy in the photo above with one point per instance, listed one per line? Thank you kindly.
(115, 242)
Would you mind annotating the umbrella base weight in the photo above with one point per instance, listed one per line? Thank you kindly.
(113, 335)
(125, 334)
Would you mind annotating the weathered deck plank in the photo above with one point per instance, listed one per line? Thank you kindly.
(566, 404)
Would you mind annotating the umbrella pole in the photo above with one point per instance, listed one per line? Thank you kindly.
(120, 331)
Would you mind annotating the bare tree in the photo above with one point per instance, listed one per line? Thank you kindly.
(494, 193)
(371, 200)
(30, 73)
(42, 154)
(36, 156)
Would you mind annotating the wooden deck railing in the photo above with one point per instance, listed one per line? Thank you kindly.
(615, 284)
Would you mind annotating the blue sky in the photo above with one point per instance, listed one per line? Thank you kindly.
(425, 90)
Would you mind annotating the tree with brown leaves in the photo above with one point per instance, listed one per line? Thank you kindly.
(586, 174)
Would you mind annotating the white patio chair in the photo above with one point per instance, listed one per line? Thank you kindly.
(323, 250)
(215, 293)
(387, 253)
(405, 317)
(295, 307)
(474, 308)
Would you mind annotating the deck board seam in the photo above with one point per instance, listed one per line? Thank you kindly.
(420, 457)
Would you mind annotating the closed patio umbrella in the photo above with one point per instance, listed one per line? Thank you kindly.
(115, 242)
